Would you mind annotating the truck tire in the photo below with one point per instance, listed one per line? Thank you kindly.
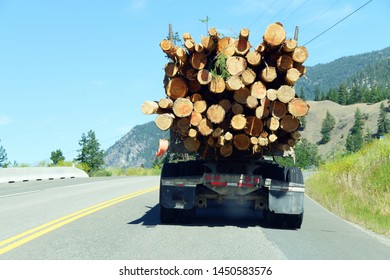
(294, 175)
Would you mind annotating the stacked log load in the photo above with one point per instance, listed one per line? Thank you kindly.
(226, 96)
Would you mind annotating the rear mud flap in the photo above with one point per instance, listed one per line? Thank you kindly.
(285, 202)
(173, 197)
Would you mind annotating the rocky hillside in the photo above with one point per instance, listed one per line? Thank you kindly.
(137, 148)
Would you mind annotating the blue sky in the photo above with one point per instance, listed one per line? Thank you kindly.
(67, 67)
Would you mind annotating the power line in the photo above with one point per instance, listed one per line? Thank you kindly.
(324, 12)
(304, 2)
(338, 22)
(266, 10)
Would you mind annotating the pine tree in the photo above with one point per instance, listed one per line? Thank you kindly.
(317, 94)
(383, 121)
(343, 95)
(3, 157)
(57, 156)
(355, 136)
(327, 125)
(90, 154)
(302, 94)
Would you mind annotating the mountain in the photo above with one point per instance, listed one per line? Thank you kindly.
(369, 69)
(137, 148)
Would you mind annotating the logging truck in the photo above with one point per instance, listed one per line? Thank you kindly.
(231, 107)
(188, 182)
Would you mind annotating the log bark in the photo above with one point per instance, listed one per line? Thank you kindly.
(300, 54)
(215, 113)
(226, 150)
(241, 142)
(194, 86)
(217, 132)
(262, 112)
(235, 65)
(285, 93)
(274, 35)
(196, 97)
(237, 109)
(176, 88)
(183, 124)
(204, 77)
(182, 107)
(164, 121)
(217, 85)
(289, 123)
(254, 126)
(284, 63)
(191, 144)
(258, 90)
(238, 122)
(298, 107)
(225, 104)
(149, 107)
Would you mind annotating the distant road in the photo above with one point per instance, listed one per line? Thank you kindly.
(118, 218)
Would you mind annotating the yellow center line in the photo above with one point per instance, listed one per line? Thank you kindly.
(38, 231)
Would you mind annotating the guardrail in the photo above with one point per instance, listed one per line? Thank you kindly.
(24, 174)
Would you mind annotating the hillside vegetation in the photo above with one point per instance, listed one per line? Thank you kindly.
(357, 186)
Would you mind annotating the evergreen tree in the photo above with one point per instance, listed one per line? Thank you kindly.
(355, 136)
(317, 94)
(3, 157)
(306, 154)
(343, 95)
(383, 121)
(327, 125)
(57, 156)
(302, 94)
(90, 155)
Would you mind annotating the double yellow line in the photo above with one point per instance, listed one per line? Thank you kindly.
(29, 235)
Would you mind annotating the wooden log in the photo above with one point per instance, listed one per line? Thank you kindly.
(228, 136)
(238, 122)
(254, 126)
(183, 124)
(272, 94)
(235, 65)
(191, 74)
(268, 74)
(256, 148)
(284, 63)
(258, 90)
(218, 131)
(253, 58)
(241, 95)
(205, 127)
(182, 107)
(241, 141)
(211, 141)
(289, 123)
(198, 60)
(164, 121)
(252, 102)
(171, 69)
(176, 88)
(274, 35)
(272, 138)
(298, 107)
(272, 123)
(244, 33)
(181, 54)
(192, 133)
(278, 109)
(165, 103)
(226, 46)
(194, 86)
(200, 106)
(292, 75)
(217, 85)
(226, 150)
(191, 144)
(242, 46)
(213, 33)
(237, 109)
(248, 77)
(265, 102)
(149, 107)
(204, 76)
(199, 48)
(168, 47)
(300, 68)
(196, 97)
(261, 47)
(195, 118)
(290, 45)
(189, 42)
(234, 83)
(261, 112)
(286, 93)
(215, 113)
(254, 140)
(208, 42)
(225, 104)
(300, 54)
(263, 141)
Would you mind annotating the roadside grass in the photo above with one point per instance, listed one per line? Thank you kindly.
(357, 186)
(111, 171)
